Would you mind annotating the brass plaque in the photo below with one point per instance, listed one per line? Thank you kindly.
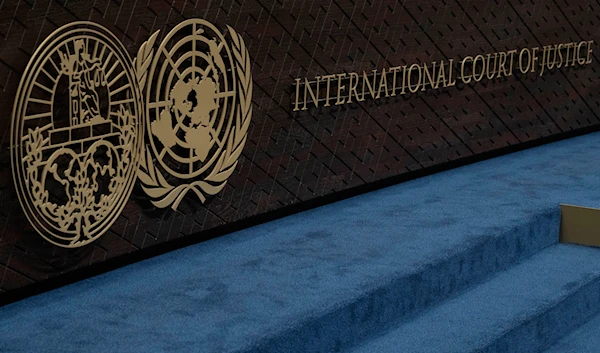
(580, 225)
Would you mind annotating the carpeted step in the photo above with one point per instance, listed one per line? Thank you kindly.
(322, 280)
(585, 339)
(246, 293)
(526, 308)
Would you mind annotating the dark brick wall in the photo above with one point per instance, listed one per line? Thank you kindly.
(291, 158)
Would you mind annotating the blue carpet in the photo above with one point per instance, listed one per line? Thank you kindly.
(584, 340)
(523, 309)
(326, 279)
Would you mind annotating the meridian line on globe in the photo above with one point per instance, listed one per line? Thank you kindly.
(194, 34)
(170, 61)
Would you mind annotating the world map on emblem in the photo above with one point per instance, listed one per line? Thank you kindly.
(198, 90)
(189, 102)
(77, 134)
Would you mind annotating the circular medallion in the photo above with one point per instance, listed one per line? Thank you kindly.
(190, 99)
(198, 110)
(77, 134)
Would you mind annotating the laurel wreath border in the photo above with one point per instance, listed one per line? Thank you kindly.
(153, 182)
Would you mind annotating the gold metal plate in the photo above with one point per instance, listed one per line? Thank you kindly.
(77, 134)
(580, 225)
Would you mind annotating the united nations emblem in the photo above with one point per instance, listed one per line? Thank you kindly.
(77, 134)
(198, 92)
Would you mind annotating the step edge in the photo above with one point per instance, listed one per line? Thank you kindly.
(276, 341)
(566, 299)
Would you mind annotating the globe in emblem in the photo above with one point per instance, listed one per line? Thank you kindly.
(77, 134)
(190, 99)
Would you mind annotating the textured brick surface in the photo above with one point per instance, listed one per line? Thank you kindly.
(290, 158)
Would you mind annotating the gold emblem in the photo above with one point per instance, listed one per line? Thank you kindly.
(77, 134)
(198, 92)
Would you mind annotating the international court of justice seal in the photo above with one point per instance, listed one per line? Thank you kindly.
(198, 90)
(76, 134)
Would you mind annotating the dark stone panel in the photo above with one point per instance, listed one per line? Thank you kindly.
(292, 158)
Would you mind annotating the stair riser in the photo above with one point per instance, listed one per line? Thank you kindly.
(546, 329)
(404, 297)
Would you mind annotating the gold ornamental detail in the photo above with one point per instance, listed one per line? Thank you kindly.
(198, 91)
(76, 134)
(84, 109)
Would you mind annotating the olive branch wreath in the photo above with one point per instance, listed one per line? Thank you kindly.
(153, 182)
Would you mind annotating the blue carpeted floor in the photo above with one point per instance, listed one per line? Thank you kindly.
(349, 274)
(520, 310)
(584, 340)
